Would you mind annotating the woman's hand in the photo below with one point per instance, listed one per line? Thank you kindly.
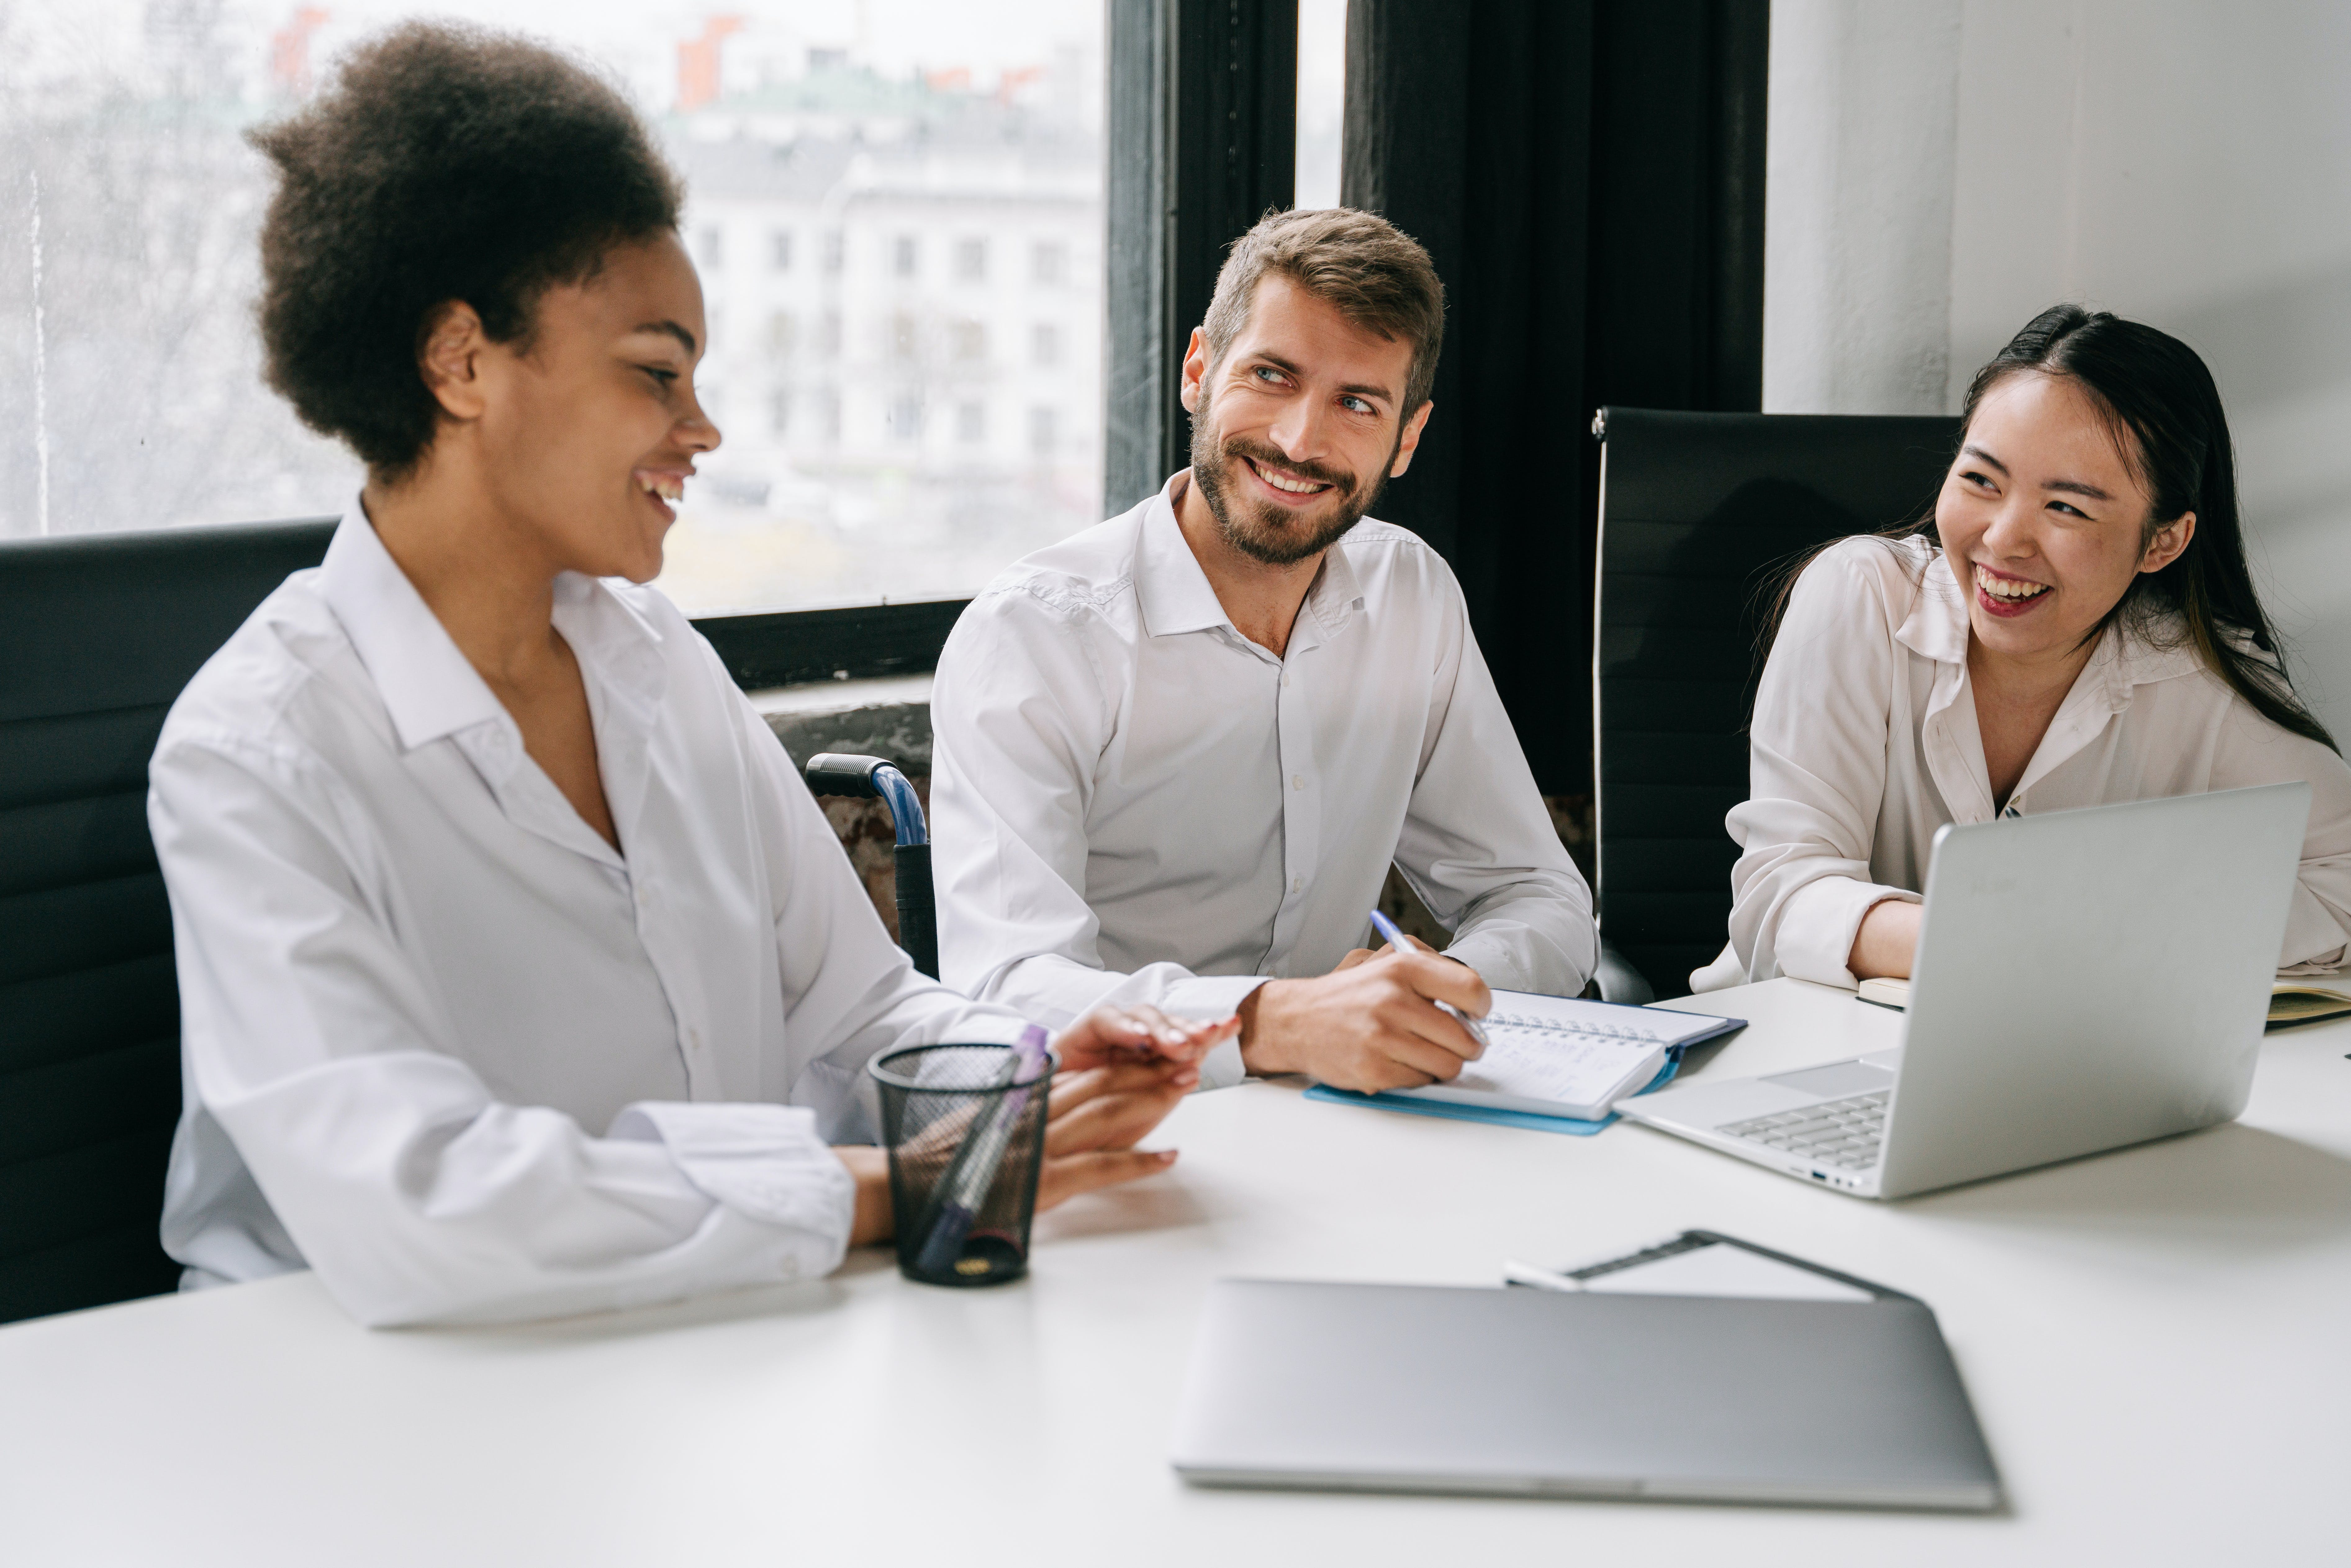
(1122, 1070)
(1887, 941)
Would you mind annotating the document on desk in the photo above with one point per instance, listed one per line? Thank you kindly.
(1564, 1056)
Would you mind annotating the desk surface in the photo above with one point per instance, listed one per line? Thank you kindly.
(2155, 1341)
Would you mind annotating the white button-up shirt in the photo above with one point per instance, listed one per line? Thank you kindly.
(1864, 743)
(1132, 802)
(443, 1044)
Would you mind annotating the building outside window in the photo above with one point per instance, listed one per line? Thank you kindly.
(1044, 344)
(1042, 433)
(130, 394)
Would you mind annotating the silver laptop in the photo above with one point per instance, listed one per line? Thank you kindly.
(1723, 1399)
(2084, 980)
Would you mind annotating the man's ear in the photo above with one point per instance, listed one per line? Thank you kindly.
(449, 358)
(1409, 439)
(2169, 542)
(1195, 371)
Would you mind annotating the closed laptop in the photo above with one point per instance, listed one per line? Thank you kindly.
(1520, 1391)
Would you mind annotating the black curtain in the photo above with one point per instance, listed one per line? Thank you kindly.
(1588, 176)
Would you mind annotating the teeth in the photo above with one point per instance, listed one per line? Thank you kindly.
(667, 487)
(2008, 587)
(1295, 486)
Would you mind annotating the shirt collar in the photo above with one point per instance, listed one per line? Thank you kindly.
(426, 685)
(1937, 629)
(431, 689)
(1177, 596)
(1174, 593)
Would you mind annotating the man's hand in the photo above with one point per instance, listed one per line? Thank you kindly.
(1122, 1070)
(1368, 1025)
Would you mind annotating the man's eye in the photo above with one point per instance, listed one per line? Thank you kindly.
(1266, 373)
(1357, 405)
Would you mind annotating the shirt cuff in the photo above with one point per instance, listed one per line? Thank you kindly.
(766, 1161)
(1818, 924)
(1213, 997)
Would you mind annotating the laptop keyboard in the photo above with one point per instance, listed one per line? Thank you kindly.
(1840, 1132)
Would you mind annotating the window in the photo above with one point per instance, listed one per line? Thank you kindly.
(1044, 344)
(1041, 425)
(860, 179)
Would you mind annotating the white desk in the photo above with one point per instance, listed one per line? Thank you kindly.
(2156, 1342)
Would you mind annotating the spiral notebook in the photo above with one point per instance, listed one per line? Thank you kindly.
(1564, 1056)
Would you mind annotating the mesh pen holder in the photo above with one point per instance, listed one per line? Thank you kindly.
(966, 1145)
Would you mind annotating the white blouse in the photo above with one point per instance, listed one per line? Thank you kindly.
(1864, 742)
(441, 1042)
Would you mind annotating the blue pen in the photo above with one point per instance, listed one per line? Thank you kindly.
(1396, 939)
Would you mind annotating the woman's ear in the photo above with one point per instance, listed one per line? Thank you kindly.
(2169, 541)
(449, 358)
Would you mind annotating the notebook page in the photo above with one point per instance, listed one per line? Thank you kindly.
(1600, 1020)
(1554, 1069)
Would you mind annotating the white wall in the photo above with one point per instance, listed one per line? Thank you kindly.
(2183, 162)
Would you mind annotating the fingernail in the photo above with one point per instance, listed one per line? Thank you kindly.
(1165, 1157)
(1184, 1080)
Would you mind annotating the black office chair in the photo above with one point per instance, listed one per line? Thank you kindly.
(102, 631)
(840, 773)
(1697, 513)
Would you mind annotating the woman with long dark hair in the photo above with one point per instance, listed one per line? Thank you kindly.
(2075, 625)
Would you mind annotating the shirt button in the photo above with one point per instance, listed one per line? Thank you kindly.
(1298, 781)
(1285, 677)
(1298, 884)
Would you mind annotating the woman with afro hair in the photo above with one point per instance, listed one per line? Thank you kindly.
(520, 975)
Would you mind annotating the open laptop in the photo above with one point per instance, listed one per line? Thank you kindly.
(2084, 980)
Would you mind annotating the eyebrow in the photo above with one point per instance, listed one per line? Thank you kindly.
(666, 328)
(1360, 389)
(2063, 487)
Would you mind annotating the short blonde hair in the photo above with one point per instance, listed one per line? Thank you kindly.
(1369, 270)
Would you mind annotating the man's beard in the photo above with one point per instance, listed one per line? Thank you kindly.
(1262, 529)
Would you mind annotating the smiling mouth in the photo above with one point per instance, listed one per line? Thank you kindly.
(667, 484)
(2008, 595)
(1287, 482)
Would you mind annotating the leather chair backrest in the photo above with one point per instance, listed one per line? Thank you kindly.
(1699, 516)
(100, 632)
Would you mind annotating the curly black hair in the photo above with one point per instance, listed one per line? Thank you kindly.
(445, 162)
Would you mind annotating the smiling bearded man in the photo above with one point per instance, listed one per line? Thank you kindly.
(1177, 752)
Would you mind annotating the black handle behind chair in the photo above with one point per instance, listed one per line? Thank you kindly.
(1697, 513)
(837, 773)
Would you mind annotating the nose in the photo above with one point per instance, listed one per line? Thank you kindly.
(1302, 429)
(2010, 532)
(697, 432)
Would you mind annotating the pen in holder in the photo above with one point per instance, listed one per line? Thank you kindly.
(964, 1126)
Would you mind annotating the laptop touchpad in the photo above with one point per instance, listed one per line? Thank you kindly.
(1835, 1080)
